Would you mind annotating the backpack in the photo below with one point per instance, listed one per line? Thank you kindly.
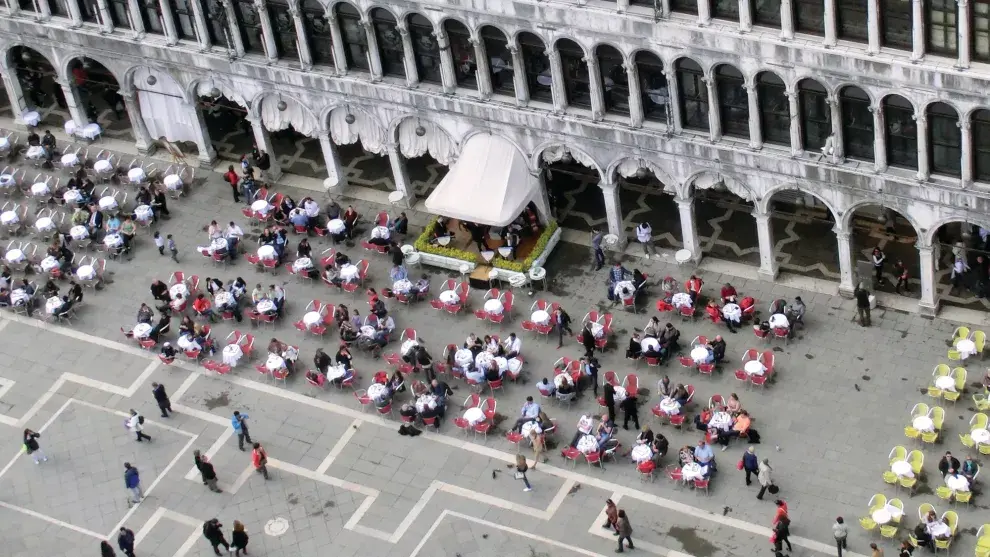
(141, 420)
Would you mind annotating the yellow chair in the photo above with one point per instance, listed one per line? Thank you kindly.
(966, 440)
(981, 402)
(941, 370)
(950, 396)
(897, 453)
(953, 520)
(924, 509)
(912, 433)
(954, 355)
(917, 460)
(899, 505)
(983, 536)
(943, 493)
(888, 532)
(934, 392)
(937, 414)
(980, 340)
(978, 421)
(889, 478)
(876, 502)
(920, 409)
(964, 497)
(913, 540)
(930, 438)
(984, 449)
(959, 374)
(943, 544)
(982, 551)
(868, 524)
(909, 484)
(960, 332)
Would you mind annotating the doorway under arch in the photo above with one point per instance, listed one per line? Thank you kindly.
(876, 226)
(969, 243)
(99, 92)
(803, 226)
(724, 214)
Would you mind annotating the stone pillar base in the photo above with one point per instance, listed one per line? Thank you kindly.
(926, 309)
(767, 274)
(147, 150)
(846, 292)
(207, 162)
(402, 199)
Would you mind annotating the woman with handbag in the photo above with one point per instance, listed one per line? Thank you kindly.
(521, 468)
(763, 476)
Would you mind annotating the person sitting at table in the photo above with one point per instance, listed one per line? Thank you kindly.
(693, 288)
(79, 216)
(473, 373)
(4, 297)
(214, 285)
(701, 420)
(704, 455)
(303, 249)
(685, 456)
(717, 349)
(300, 219)
(940, 529)
(960, 481)
(585, 427)
(680, 394)
(635, 349)
(322, 361)
(186, 326)
(669, 338)
(163, 326)
(969, 469)
(566, 385)
(645, 436)
(947, 462)
(546, 388)
(733, 406)
(795, 312)
(763, 327)
(203, 307)
(652, 352)
(283, 350)
(113, 225)
(95, 223)
(75, 292)
(659, 446)
(127, 232)
(343, 356)
(491, 345)
(740, 427)
(277, 295)
(258, 294)
(145, 314)
(664, 387)
(530, 412)
(267, 237)
(921, 534)
(653, 329)
(143, 196)
(728, 293)
(713, 311)
(422, 288)
(396, 383)
(605, 431)
(492, 372)
(49, 289)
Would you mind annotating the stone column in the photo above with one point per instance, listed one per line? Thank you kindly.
(621, 6)
(374, 57)
(794, 112)
(557, 83)
(336, 175)
(264, 143)
(168, 22)
(447, 73)
(206, 155)
(923, 167)
(13, 87)
(596, 88)
(75, 16)
(613, 212)
(755, 131)
(74, 103)
(665, 9)
(519, 82)
(928, 305)
(966, 164)
(142, 139)
(235, 35)
(714, 122)
(768, 261)
(339, 57)
(635, 95)
(408, 55)
(302, 42)
(137, 22)
(106, 22)
(963, 41)
(400, 175)
(879, 138)
(918, 30)
(542, 201)
(831, 32)
(745, 16)
(484, 68)
(835, 117)
(689, 228)
(199, 21)
(704, 13)
(786, 20)
(873, 26)
(846, 269)
(271, 49)
(674, 124)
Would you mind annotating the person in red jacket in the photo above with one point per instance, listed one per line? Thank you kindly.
(233, 179)
(202, 306)
(693, 287)
(728, 293)
(260, 460)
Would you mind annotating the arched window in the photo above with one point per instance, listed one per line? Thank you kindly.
(693, 95)
(184, 17)
(462, 51)
(725, 9)
(895, 23)
(733, 103)
(851, 20)
(425, 49)
(980, 24)
(816, 116)
(901, 132)
(284, 29)
(389, 43)
(249, 24)
(318, 35)
(575, 69)
(981, 145)
(809, 16)
(653, 86)
(354, 37)
(537, 64)
(151, 17)
(857, 123)
(615, 83)
(775, 110)
(499, 61)
(944, 139)
(684, 6)
(766, 12)
(942, 27)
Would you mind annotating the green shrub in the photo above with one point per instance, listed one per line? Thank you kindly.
(424, 245)
(538, 249)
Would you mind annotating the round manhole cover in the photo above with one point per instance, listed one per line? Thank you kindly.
(276, 526)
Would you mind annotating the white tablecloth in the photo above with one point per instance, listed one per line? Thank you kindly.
(143, 213)
(141, 330)
(945, 383)
(265, 306)
(173, 182)
(9, 217)
(113, 240)
(380, 232)
(367, 331)
(79, 232)
(559, 379)
(693, 471)
(494, 306)
(267, 252)
(721, 420)
(587, 444)
(754, 367)
(449, 297)
(732, 312)
(219, 244)
(980, 435)
(52, 304)
(103, 166)
(463, 357)
(529, 427)
(957, 483)
(902, 468)
(377, 391)
(881, 516)
(624, 289)
(14, 255)
(349, 272)
(44, 224)
(90, 131)
(699, 354)
(966, 348)
(31, 117)
(86, 272)
(232, 354)
(939, 529)
(185, 342)
(312, 318)
(641, 453)
(680, 299)
(70, 159)
(7, 180)
(923, 423)
(261, 206)
(108, 202)
(336, 372)
(40, 188)
(779, 321)
(136, 175)
(427, 401)
(541, 317)
(49, 263)
(302, 264)
(484, 359)
(4, 143)
(335, 226)
(670, 406)
(403, 286)
(407, 346)
(474, 416)
(597, 329)
(274, 362)
(620, 394)
(19, 297)
(35, 152)
(649, 342)
(72, 196)
(223, 298)
(179, 289)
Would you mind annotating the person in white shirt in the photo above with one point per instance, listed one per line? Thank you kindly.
(546, 387)
(644, 234)
(959, 268)
(136, 424)
(513, 346)
(311, 207)
(233, 235)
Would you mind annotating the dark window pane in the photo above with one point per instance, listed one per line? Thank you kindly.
(389, 43)
(733, 103)
(767, 12)
(809, 16)
(87, 10)
(185, 20)
(615, 82)
(902, 132)
(284, 29)
(151, 16)
(119, 14)
(816, 116)
(942, 27)
(537, 67)
(775, 120)
(693, 96)
(725, 9)
(653, 86)
(425, 49)
(576, 82)
(981, 29)
(249, 23)
(462, 51)
(318, 35)
(895, 23)
(851, 18)
(684, 6)
(981, 145)
(944, 140)
(354, 37)
(857, 124)
(499, 61)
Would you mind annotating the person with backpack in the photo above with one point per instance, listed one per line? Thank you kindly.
(521, 468)
(132, 481)
(212, 531)
(136, 424)
(32, 447)
(763, 476)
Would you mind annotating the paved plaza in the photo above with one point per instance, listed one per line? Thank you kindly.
(345, 483)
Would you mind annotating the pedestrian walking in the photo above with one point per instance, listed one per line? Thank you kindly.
(132, 481)
(125, 540)
(875, 551)
(239, 423)
(32, 447)
(862, 305)
(644, 233)
(750, 464)
(106, 550)
(763, 476)
(611, 517)
(136, 424)
(171, 248)
(900, 269)
(260, 460)
(597, 254)
(840, 531)
(959, 270)
(906, 549)
(233, 179)
(159, 243)
(591, 368)
(521, 468)
(562, 321)
(781, 534)
(630, 406)
(212, 531)
(207, 472)
(878, 258)
(536, 439)
(239, 539)
(161, 397)
(625, 530)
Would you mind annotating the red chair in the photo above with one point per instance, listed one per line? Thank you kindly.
(699, 340)
(210, 365)
(594, 458)
(472, 401)
(544, 330)
(495, 385)
(482, 428)
(674, 474)
(437, 304)
(514, 438)
(529, 326)
(701, 484)
(393, 359)
(653, 362)
(610, 378)
(431, 422)
(690, 391)
(481, 314)
(781, 333)
(742, 376)
(380, 377)
(247, 212)
(253, 259)
(677, 420)
(646, 469)
(407, 419)
(462, 425)
(706, 369)
(320, 382)
(592, 316)
(767, 358)
(492, 294)
(453, 309)
(664, 306)
(147, 343)
(488, 407)
(385, 410)
(750, 354)
(761, 334)
(165, 360)
(658, 414)
(686, 312)
(449, 284)
(571, 454)
(630, 383)
(350, 287)
(300, 326)
(408, 334)
(716, 401)
(759, 380)
(382, 219)
(496, 318)
(507, 300)
(260, 368)
(686, 362)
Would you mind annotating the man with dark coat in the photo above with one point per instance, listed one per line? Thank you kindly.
(161, 397)
(125, 540)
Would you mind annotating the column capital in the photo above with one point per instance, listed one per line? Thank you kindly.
(331, 15)
(760, 216)
(366, 23)
(684, 201)
(841, 234)
(962, 3)
(606, 185)
(128, 95)
(920, 117)
(963, 124)
(402, 28)
(513, 48)
(924, 249)
(832, 100)
(260, 4)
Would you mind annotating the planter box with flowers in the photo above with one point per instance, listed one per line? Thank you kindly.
(452, 258)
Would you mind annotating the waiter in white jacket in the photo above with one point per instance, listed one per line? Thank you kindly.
(644, 234)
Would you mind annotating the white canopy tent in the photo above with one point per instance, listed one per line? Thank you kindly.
(490, 183)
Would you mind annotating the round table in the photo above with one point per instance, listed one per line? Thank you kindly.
(274, 362)
(223, 298)
(173, 182)
(70, 159)
(517, 280)
(541, 317)
(558, 380)
(402, 286)
(349, 272)
(44, 224)
(103, 166)
(529, 427)
(980, 435)
(79, 232)
(7, 180)
(587, 444)
(597, 329)
(536, 274)
(957, 483)
(336, 372)
(90, 131)
(881, 516)
(412, 259)
(426, 402)
(231, 354)
(682, 256)
(143, 213)
(693, 471)
(14, 255)
(267, 253)
(312, 318)
(141, 330)
(108, 202)
(945, 383)
(302, 264)
(732, 312)
(407, 346)
(494, 306)
(336, 226)
(902, 468)
(377, 391)
(40, 188)
(261, 206)
(113, 240)
(136, 175)
(923, 423)
(779, 321)
(186, 342)
(474, 416)
(650, 343)
(72, 196)
(620, 394)
(86, 272)
(265, 306)
(380, 232)
(35, 152)
(179, 289)
(681, 299)
(754, 367)
(966, 348)
(19, 297)
(699, 354)
(449, 297)
(49, 263)
(463, 357)
(641, 453)
(396, 197)
(406, 249)
(9, 217)
(670, 406)
(625, 289)
(52, 304)
(484, 359)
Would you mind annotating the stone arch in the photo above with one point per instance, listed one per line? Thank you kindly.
(552, 151)
(960, 113)
(888, 94)
(203, 87)
(266, 105)
(509, 139)
(831, 201)
(730, 182)
(793, 84)
(136, 77)
(556, 39)
(627, 167)
(501, 28)
(51, 57)
(845, 221)
(928, 235)
(619, 49)
(64, 70)
(367, 11)
(844, 84)
(435, 139)
(365, 127)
